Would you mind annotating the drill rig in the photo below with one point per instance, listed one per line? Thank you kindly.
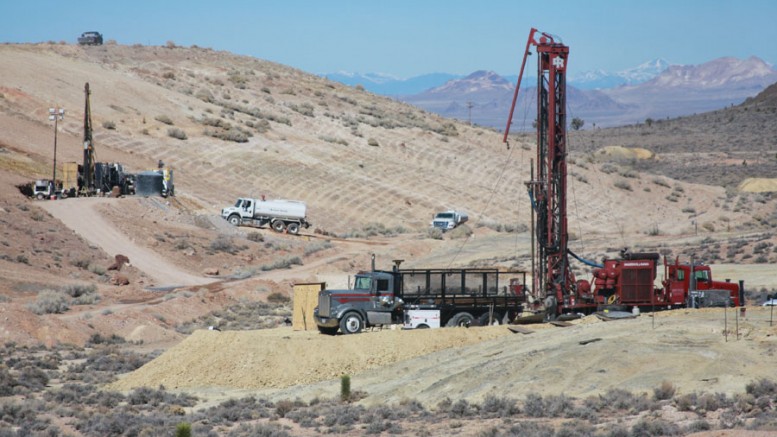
(553, 279)
(628, 280)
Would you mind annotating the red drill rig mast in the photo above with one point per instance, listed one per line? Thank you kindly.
(553, 280)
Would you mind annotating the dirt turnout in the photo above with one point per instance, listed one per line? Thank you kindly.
(685, 347)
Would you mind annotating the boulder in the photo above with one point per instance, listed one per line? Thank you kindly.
(119, 262)
(211, 271)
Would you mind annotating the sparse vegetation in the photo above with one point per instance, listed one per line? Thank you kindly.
(164, 119)
(176, 133)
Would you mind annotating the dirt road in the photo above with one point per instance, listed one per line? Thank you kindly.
(82, 216)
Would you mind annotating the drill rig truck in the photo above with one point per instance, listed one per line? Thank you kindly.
(628, 280)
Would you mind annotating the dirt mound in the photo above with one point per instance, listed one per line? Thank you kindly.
(281, 357)
(758, 185)
(686, 347)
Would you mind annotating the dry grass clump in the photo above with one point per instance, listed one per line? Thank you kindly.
(176, 133)
(246, 315)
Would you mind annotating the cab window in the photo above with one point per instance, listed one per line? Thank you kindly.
(383, 285)
(702, 275)
(680, 275)
(363, 283)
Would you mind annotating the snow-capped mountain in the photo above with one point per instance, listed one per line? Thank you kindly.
(600, 79)
(387, 85)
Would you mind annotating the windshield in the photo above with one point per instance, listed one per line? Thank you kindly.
(444, 215)
(363, 283)
(239, 202)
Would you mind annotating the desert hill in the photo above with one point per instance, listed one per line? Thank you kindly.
(368, 167)
(372, 171)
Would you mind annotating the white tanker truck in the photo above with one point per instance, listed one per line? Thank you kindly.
(281, 215)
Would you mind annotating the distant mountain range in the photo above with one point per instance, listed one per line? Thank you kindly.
(651, 90)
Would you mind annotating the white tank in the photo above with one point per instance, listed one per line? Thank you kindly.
(280, 208)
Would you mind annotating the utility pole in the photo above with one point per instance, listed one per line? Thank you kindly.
(55, 114)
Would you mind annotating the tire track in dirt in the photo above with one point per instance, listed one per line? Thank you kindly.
(81, 215)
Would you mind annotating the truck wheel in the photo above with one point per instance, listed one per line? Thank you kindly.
(40, 196)
(293, 228)
(234, 219)
(351, 323)
(327, 331)
(461, 319)
(278, 225)
(483, 320)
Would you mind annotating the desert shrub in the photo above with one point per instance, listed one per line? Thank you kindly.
(261, 429)
(462, 231)
(665, 391)
(22, 259)
(689, 210)
(317, 247)
(96, 339)
(176, 133)
(164, 119)
(434, 233)
(278, 298)
(233, 134)
(373, 142)
(204, 95)
(305, 109)
(762, 387)
(223, 243)
(7, 382)
(282, 263)
(255, 237)
(534, 405)
(623, 185)
(531, 429)
(237, 410)
(77, 290)
(109, 125)
(50, 302)
(182, 244)
(498, 407)
(81, 263)
(156, 397)
(32, 378)
(654, 427)
(96, 269)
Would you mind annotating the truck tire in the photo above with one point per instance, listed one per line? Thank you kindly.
(278, 225)
(351, 323)
(293, 228)
(234, 219)
(327, 331)
(483, 320)
(40, 196)
(461, 319)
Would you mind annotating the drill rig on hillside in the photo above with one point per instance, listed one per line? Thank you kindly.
(99, 177)
(628, 280)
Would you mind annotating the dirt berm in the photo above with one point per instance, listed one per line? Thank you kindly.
(685, 347)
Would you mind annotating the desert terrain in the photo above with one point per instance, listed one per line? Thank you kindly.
(372, 171)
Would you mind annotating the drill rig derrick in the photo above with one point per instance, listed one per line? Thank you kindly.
(87, 185)
(554, 282)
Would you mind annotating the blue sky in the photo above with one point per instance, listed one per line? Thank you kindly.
(406, 38)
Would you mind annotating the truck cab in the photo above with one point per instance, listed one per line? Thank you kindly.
(448, 220)
(373, 301)
(683, 280)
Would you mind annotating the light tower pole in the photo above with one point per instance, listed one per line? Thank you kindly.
(55, 114)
